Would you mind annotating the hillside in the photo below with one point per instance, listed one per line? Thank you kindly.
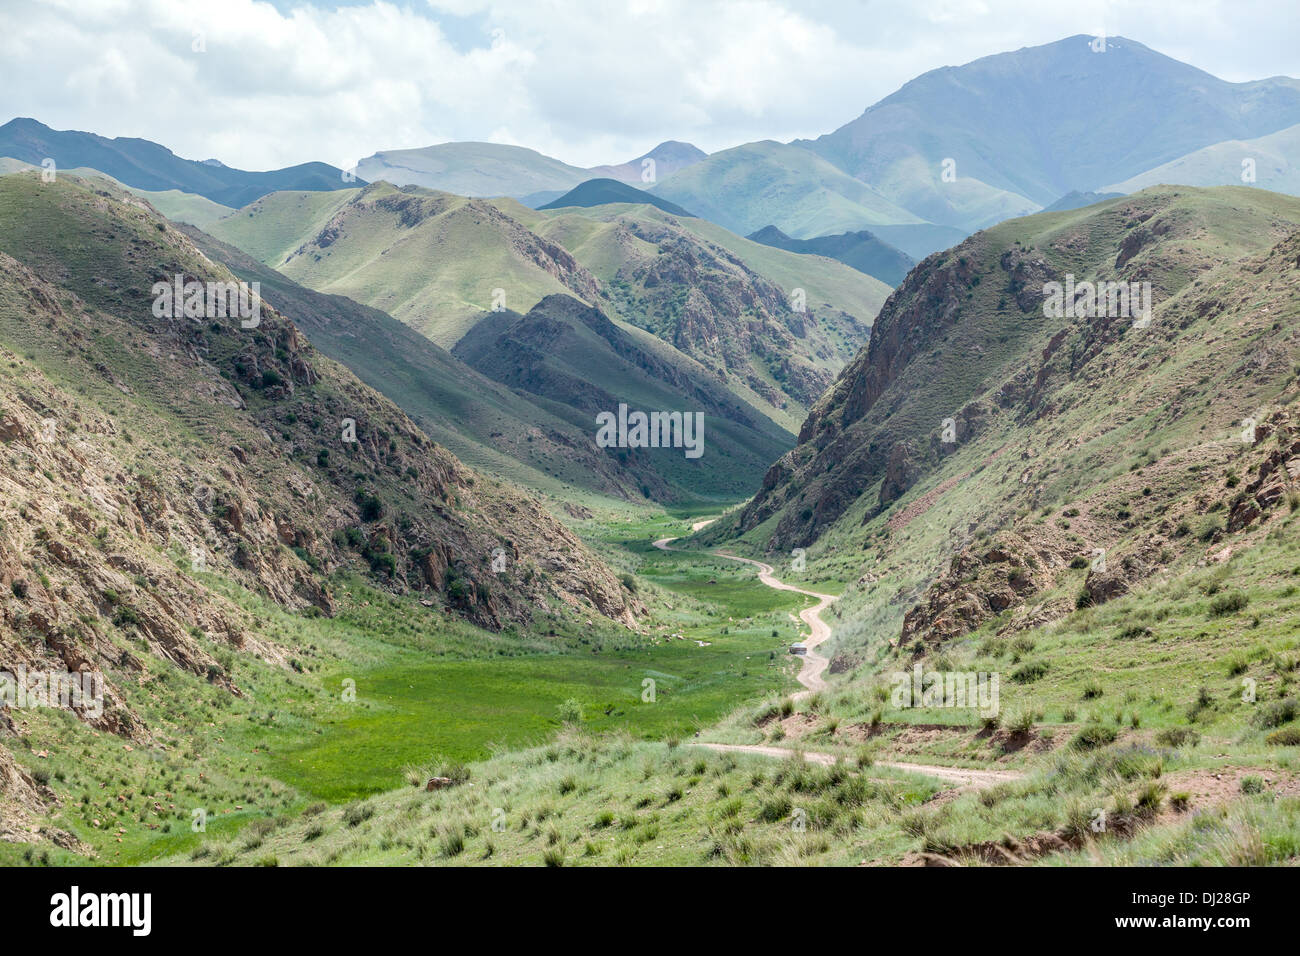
(1009, 122)
(748, 187)
(1068, 435)
(1223, 164)
(483, 423)
(472, 169)
(144, 165)
(140, 450)
(726, 301)
(576, 359)
(600, 192)
(669, 157)
(374, 245)
(859, 250)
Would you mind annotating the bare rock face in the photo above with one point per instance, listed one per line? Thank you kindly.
(981, 582)
(901, 472)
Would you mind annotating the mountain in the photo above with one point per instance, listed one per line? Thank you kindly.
(155, 469)
(965, 338)
(751, 186)
(144, 165)
(490, 427)
(494, 169)
(920, 240)
(730, 303)
(1076, 200)
(599, 192)
(1011, 123)
(668, 158)
(860, 250)
(572, 356)
(1224, 164)
(375, 245)
(472, 169)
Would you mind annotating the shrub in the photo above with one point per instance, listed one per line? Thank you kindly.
(570, 711)
(372, 509)
(1029, 672)
(1277, 713)
(1178, 737)
(1286, 737)
(1229, 603)
(356, 814)
(1094, 735)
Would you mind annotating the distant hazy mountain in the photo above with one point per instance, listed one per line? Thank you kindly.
(669, 157)
(861, 250)
(472, 169)
(1042, 121)
(144, 165)
(494, 169)
(600, 192)
(1273, 161)
(1077, 200)
(751, 186)
(920, 239)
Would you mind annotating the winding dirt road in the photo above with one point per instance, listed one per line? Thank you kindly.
(814, 664)
(810, 675)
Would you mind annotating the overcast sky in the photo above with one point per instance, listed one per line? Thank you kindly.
(587, 81)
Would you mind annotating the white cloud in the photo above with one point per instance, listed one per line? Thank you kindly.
(586, 81)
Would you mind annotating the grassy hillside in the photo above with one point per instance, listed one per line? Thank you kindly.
(722, 299)
(222, 442)
(769, 183)
(485, 424)
(717, 298)
(1221, 165)
(576, 361)
(375, 246)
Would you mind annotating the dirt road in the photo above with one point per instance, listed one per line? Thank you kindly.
(810, 675)
(962, 777)
(814, 664)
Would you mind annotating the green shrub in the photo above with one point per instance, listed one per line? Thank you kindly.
(1229, 603)
(1029, 672)
(1094, 735)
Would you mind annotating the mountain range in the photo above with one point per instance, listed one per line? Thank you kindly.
(975, 388)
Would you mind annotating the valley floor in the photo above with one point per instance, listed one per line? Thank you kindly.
(576, 744)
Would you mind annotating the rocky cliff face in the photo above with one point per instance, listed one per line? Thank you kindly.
(985, 448)
(710, 305)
